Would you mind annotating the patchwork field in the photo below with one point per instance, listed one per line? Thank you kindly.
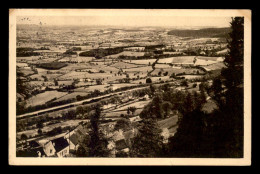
(124, 65)
(78, 75)
(44, 97)
(78, 59)
(142, 62)
(126, 53)
(32, 58)
(71, 96)
(215, 66)
(177, 70)
(143, 69)
(201, 60)
(26, 72)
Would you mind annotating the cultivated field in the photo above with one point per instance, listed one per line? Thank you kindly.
(44, 97)
(142, 62)
(126, 53)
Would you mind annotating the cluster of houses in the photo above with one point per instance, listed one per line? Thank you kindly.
(67, 144)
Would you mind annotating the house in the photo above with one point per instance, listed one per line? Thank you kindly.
(34, 152)
(61, 146)
(57, 147)
(34, 149)
(135, 119)
(49, 149)
(82, 130)
(129, 135)
(108, 130)
(121, 145)
(73, 141)
(112, 149)
(118, 135)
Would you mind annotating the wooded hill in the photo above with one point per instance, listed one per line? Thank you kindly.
(206, 32)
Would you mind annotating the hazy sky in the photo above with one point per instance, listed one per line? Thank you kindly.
(171, 21)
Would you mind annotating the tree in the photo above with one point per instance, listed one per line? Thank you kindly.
(152, 89)
(98, 81)
(173, 75)
(83, 149)
(189, 104)
(39, 124)
(78, 97)
(132, 109)
(217, 86)
(148, 80)
(123, 124)
(128, 111)
(23, 137)
(153, 109)
(98, 143)
(39, 131)
(56, 82)
(71, 114)
(184, 83)
(148, 142)
(220, 133)
(166, 106)
(234, 59)
(189, 138)
(80, 111)
(232, 109)
(166, 87)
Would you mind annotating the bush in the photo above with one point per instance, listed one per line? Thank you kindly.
(148, 80)
(184, 83)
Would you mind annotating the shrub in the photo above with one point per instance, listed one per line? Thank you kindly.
(148, 80)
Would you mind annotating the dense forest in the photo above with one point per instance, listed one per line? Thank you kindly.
(25, 52)
(52, 65)
(99, 53)
(207, 32)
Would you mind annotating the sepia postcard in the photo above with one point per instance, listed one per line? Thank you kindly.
(129, 87)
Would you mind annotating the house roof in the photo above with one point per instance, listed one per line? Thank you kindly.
(60, 143)
(81, 130)
(121, 144)
(74, 139)
(34, 144)
(118, 135)
(129, 134)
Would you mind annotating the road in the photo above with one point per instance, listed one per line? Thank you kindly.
(74, 103)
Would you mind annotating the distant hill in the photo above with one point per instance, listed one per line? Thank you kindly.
(206, 32)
